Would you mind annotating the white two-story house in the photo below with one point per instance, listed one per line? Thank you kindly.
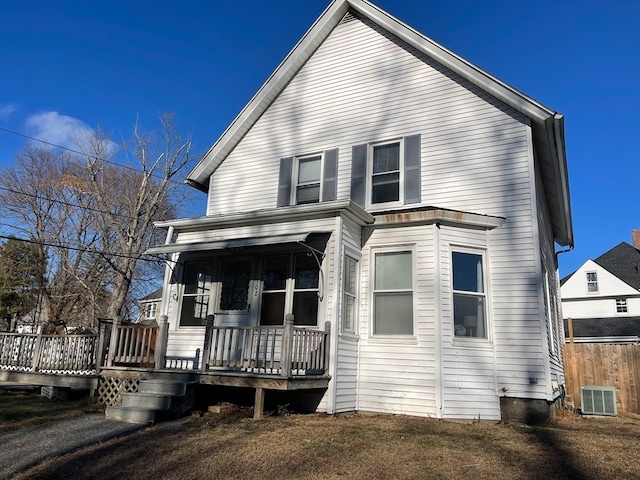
(380, 182)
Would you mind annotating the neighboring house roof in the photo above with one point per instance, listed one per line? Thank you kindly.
(623, 261)
(604, 327)
(157, 295)
(547, 125)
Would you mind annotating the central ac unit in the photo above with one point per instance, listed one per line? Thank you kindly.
(598, 400)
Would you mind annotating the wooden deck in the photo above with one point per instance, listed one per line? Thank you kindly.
(281, 358)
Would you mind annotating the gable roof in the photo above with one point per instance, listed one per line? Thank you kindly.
(547, 125)
(623, 261)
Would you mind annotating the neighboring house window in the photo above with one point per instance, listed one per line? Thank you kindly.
(198, 277)
(621, 305)
(393, 293)
(592, 282)
(290, 284)
(386, 174)
(150, 310)
(308, 179)
(349, 294)
(469, 295)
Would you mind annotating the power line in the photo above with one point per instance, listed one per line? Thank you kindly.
(32, 195)
(13, 132)
(85, 250)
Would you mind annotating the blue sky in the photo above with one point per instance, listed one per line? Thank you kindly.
(72, 64)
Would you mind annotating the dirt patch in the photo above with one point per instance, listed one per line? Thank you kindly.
(232, 446)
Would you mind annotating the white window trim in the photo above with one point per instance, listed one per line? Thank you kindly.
(587, 282)
(212, 295)
(356, 314)
(296, 171)
(369, 188)
(624, 303)
(487, 295)
(392, 338)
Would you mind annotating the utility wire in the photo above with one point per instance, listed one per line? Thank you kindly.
(13, 132)
(86, 250)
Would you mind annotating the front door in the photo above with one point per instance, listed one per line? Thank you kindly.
(233, 305)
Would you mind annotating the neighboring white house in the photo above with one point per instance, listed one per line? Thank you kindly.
(381, 183)
(602, 297)
(150, 308)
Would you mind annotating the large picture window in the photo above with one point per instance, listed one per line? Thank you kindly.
(198, 278)
(393, 293)
(290, 284)
(469, 296)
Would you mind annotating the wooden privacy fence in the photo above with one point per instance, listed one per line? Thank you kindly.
(282, 350)
(605, 365)
(63, 354)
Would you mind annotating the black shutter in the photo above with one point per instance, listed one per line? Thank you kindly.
(359, 174)
(412, 178)
(284, 183)
(330, 174)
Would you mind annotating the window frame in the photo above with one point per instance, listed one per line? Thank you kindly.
(295, 178)
(484, 295)
(622, 306)
(592, 282)
(396, 249)
(401, 174)
(344, 329)
(183, 294)
(290, 289)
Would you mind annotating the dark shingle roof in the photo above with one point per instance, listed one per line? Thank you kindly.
(623, 261)
(157, 294)
(604, 327)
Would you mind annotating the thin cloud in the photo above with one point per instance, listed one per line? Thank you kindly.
(62, 130)
(7, 110)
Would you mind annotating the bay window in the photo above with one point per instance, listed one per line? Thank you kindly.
(469, 295)
(393, 293)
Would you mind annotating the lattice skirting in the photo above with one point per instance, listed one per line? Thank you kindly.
(112, 387)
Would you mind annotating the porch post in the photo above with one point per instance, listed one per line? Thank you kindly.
(287, 346)
(37, 349)
(206, 348)
(161, 342)
(102, 343)
(113, 341)
(327, 350)
(258, 406)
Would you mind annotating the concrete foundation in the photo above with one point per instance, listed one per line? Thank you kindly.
(526, 410)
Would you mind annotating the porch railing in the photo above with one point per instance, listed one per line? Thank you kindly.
(283, 350)
(132, 344)
(64, 354)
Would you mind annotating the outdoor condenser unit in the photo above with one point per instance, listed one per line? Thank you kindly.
(598, 400)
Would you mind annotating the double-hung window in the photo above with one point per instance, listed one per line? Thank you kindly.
(393, 293)
(349, 294)
(290, 284)
(592, 282)
(386, 173)
(198, 280)
(469, 294)
(308, 178)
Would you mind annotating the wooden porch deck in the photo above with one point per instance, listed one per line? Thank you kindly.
(281, 358)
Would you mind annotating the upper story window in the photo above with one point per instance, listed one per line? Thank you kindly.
(592, 282)
(386, 174)
(469, 294)
(308, 181)
(149, 311)
(393, 293)
(308, 178)
(621, 305)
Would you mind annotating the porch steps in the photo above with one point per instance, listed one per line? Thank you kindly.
(155, 400)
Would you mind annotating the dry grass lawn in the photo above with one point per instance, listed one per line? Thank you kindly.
(232, 446)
